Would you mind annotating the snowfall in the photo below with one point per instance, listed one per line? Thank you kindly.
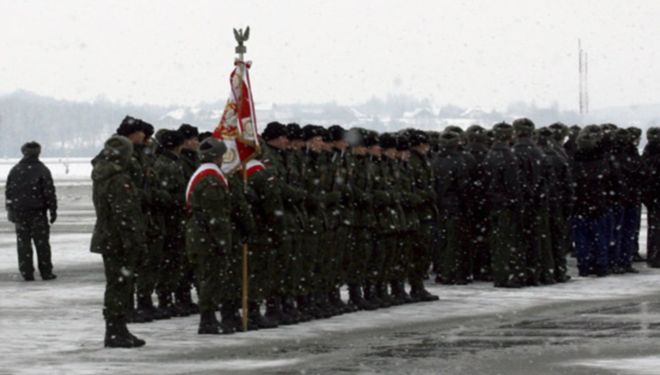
(586, 326)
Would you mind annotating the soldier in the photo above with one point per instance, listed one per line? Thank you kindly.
(117, 236)
(410, 203)
(208, 236)
(560, 193)
(291, 163)
(344, 167)
(317, 179)
(362, 247)
(630, 166)
(152, 196)
(170, 171)
(571, 144)
(651, 197)
(451, 176)
(636, 135)
(29, 194)
(503, 192)
(425, 244)
(593, 183)
(391, 211)
(190, 162)
(533, 233)
(477, 146)
(280, 306)
(132, 129)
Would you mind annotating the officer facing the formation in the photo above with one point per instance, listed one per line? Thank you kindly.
(29, 194)
(117, 236)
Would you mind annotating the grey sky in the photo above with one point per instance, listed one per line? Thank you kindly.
(470, 53)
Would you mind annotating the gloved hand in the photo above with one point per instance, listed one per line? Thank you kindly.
(53, 216)
(11, 216)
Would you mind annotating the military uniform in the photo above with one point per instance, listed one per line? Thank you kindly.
(172, 179)
(117, 236)
(503, 192)
(651, 195)
(209, 238)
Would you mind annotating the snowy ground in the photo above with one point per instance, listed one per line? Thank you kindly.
(586, 326)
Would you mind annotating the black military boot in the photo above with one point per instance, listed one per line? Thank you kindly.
(186, 301)
(291, 313)
(208, 323)
(144, 303)
(326, 310)
(334, 299)
(304, 307)
(118, 336)
(228, 323)
(257, 320)
(164, 306)
(355, 299)
(274, 310)
(399, 293)
(182, 302)
(371, 296)
(420, 294)
(383, 295)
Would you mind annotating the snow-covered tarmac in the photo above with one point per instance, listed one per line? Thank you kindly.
(57, 328)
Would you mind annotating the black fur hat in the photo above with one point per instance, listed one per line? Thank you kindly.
(523, 127)
(502, 131)
(128, 126)
(188, 131)
(403, 140)
(336, 132)
(171, 139)
(274, 130)
(387, 140)
(370, 138)
(310, 131)
(31, 149)
(293, 131)
(417, 137)
(147, 128)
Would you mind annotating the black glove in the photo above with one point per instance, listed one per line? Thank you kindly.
(53, 216)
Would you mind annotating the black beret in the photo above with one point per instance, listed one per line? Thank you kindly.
(128, 126)
(336, 132)
(274, 130)
(387, 140)
(188, 131)
(293, 131)
(171, 139)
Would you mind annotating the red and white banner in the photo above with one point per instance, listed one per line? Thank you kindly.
(238, 125)
(204, 170)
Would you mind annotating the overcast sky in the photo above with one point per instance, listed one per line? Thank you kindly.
(471, 53)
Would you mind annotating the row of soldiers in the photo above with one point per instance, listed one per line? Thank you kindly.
(334, 207)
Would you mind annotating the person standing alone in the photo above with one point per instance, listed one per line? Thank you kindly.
(29, 194)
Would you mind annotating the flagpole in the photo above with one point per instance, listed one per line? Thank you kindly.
(241, 37)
